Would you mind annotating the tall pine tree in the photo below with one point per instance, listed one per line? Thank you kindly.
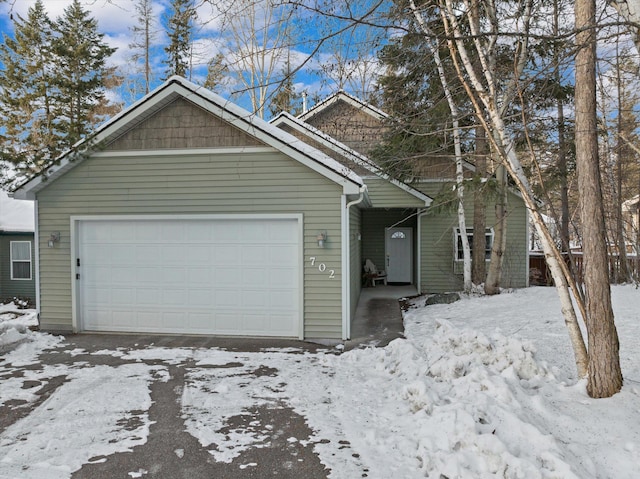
(82, 73)
(180, 32)
(418, 140)
(30, 137)
(52, 86)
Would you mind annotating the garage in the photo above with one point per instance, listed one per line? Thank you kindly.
(215, 274)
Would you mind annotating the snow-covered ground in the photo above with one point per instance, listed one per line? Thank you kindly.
(484, 387)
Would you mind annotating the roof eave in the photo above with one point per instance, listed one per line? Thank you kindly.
(227, 111)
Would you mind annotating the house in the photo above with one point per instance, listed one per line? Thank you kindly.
(347, 128)
(17, 274)
(186, 214)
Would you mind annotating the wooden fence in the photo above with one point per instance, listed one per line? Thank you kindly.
(539, 273)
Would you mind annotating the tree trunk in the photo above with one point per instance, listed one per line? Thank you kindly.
(621, 154)
(562, 143)
(479, 265)
(483, 100)
(494, 275)
(453, 108)
(605, 376)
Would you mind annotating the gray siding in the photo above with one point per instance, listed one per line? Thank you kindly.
(437, 246)
(15, 288)
(387, 195)
(356, 261)
(374, 222)
(195, 184)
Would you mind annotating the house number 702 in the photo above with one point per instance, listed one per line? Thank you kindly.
(322, 267)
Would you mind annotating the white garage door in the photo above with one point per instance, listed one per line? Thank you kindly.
(199, 276)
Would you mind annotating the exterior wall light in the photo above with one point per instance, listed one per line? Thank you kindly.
(322, 238)
(53, 239)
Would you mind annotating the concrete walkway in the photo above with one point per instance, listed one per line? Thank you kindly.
(378, 319)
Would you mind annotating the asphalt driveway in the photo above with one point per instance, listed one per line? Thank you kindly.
(125, 406)
(284, 448)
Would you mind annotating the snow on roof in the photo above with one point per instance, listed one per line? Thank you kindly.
(344, 150)
(15, 215)
(346, 97)
(228, 111)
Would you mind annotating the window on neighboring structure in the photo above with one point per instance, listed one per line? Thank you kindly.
(459, 255)
(20, 260)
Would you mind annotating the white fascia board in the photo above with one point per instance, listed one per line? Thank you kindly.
(215, 104)
(347, 98)
(349, 153)
(70, 158)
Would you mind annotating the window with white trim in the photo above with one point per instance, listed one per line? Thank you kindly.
(20, 260)
(459, 254)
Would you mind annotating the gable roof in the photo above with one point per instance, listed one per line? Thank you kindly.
(233, 114)
(355, 102)
(296, 123)
(16, 215)
(341, 95)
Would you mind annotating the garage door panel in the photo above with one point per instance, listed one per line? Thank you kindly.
(282, 277)
(147, 274)
(254, 254)
(226, 254)
(123, 297)
(147, 296)
(209, 276)
(199, 275)
(280, 322)
(200, 298)
(285, 255)
(199, 232)
(171, 231)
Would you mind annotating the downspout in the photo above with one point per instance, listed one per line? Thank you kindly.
(421, 213)
(526, 249)
(36, 254)
(346, 263)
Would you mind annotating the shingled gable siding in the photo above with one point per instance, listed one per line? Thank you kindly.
(437, 245)
(224, 183)
(349, 125)
(352, 165)
(181, 124)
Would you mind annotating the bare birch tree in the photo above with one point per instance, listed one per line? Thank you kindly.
(433, 46)
(255, 38)
(490, 103)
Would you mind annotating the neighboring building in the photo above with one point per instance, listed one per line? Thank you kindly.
(186, 214)
(17, 272)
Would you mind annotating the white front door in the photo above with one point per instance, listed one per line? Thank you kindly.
(228, 276)
(399, 255)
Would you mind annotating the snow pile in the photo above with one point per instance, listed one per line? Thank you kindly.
(14, 325)
(466, 396)
(456, 399)
(448, 406)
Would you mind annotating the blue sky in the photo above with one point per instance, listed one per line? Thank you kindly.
(117, 17)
